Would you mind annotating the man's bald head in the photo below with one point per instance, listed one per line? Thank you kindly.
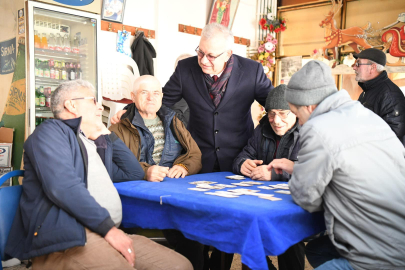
(145, 82)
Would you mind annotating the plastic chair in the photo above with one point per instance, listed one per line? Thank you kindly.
(9, 201)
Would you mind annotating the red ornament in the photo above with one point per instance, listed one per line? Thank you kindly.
(262, 22)
(271, 28)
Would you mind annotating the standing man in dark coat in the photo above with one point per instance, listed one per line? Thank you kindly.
(219, 88)
(380, 94)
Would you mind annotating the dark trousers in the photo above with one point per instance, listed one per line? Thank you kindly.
(192, 250)
(219, 260)
(292, 259)
(321, 250)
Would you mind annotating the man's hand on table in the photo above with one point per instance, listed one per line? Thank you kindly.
(117, 117)
(249, 165)
(261, 173)
(122, 243)
(280, 165)
(177, 171)
(156, 173)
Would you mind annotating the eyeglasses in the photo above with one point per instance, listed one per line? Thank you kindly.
(357, 64)
(93, 98)
(282, 114)
(209, 57)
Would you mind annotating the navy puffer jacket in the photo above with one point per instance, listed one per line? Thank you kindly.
(385, 99)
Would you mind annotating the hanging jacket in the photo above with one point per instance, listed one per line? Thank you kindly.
(143, 54)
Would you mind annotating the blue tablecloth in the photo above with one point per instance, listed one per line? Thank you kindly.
(247, 225)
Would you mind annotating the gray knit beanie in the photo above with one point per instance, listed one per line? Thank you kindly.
(311, 84)
(276, 100)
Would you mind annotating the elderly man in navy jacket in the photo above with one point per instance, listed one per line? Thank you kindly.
(69, 209)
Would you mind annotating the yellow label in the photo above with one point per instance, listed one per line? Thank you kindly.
(16, 98)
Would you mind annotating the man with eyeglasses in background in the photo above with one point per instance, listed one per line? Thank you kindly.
(380, 94)
(276, 137)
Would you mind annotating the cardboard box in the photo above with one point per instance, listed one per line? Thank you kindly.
(4, 171)
(6, 145)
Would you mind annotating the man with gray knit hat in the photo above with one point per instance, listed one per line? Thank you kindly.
(380, 94)
(352, 166)
(276, 136)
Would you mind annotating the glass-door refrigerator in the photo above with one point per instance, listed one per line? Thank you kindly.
(62, 46)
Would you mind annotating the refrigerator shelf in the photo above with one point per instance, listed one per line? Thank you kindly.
(43, 112)
(48, 54)
(47, 81)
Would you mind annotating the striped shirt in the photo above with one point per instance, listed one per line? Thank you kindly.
(155, 127)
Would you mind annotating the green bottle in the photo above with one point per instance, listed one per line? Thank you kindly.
(36, 99)
(14, 112)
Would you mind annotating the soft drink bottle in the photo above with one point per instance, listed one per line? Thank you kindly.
(79, 74)
(52, 68)
(75, 47)
(44, 41)
(59, 43)
(42, 100)
(36, 67)
(37, 40)
(47, 70)
(66, 43)
(51, 42)
(72, 71)
(57, 77)
(63, 69)
(40, 69)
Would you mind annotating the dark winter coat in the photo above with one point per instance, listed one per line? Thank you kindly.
(262, 146)
(55, 205)
(385, 99)
(222, 132)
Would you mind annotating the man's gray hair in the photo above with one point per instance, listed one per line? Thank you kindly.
(212, 29)
(65, 91)
(379, 67)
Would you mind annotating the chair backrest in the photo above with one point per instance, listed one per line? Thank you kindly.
(9, 201)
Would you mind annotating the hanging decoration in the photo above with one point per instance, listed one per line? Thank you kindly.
(272, 23)
(266, 53)
(335, 38)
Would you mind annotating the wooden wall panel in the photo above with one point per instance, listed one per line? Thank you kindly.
(378, 12)
(295, 2)
(303, 33)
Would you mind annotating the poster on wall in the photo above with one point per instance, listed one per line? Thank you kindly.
(113, 10)
(7, 56)
(21, 25)
(223, 12)
(288, 66)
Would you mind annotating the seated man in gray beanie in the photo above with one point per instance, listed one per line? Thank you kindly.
(352, 166)
(276, 136)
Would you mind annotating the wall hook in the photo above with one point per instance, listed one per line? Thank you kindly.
(240, 40)
(110, 27)
(148, 33)
(123, 27)
(184, 29)
(195, 30)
